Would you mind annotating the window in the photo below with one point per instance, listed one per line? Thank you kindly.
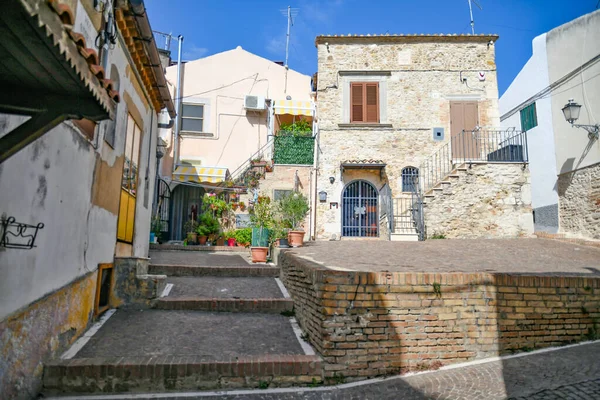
(103, 288)
(410, 179)
(364, 102)
(192, 118)
(129, 182)
(528, 117)
(278, 194)
(110, 126)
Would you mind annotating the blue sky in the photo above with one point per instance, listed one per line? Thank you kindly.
(213, 26)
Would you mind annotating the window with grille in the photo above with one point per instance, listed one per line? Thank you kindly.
(192, 118)
(410, 179)
(364, 102)
(278, 194)
(528, 117)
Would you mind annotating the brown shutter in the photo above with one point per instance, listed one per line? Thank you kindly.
(372, 102)
(356, 100)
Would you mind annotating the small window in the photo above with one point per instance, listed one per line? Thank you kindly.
(103, 287)
(364, 102)
(278, 194)
(410, 179)
(528, 117)
(192, 118)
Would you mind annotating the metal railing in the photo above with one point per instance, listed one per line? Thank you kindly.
(408, 215)
(264, 153)
(473, 146)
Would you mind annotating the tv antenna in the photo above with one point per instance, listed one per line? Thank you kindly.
(290, 13)
(471, 13)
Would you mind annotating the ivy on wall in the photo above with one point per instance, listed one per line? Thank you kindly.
(294, 149)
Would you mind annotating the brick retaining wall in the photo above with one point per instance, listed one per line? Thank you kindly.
(374, 323)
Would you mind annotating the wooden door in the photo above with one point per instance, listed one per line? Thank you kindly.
(464, 116)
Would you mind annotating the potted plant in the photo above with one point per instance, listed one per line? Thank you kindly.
(242, 206)
(280, 236)
(258, 162)
(293, 209)
(262, 220)
(191, 228)
(269, 167)
(229, 237)
(208, 226)
(155, 229)
(243, 237)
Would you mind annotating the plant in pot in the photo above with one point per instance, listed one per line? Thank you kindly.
(280, 236)
(293, 208)
(229, 237)
(191, 228)
(243, 237)
(262, 220)
(155, 229)
(208, 226)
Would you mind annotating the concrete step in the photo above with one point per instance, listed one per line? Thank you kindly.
(404, 237)
(180, 247)
(192, 270)
(168, 373)
(157, 351)
(245, 305)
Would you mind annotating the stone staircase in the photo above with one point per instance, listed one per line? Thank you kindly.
(445, 183)
(220, 323)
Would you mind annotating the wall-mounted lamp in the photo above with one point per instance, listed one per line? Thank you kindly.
(161, 147)
(322, 196)
(571, 111)
(331, 179)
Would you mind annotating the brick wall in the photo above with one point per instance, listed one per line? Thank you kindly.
(366, 324)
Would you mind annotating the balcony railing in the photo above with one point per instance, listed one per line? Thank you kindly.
(473, 146)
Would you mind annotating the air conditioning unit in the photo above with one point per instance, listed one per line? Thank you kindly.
(254, 103)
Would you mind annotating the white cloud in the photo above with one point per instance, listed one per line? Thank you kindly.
(194, 52)
(276, 45)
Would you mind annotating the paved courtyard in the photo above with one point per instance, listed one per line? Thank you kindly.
(477, 255)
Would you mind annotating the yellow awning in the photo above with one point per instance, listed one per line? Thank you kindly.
(198, 174)
(293, 107)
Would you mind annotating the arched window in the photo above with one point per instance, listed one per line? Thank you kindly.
(410, 179)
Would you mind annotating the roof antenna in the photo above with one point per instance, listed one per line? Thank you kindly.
(471, 13)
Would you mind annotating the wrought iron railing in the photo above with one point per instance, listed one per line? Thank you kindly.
(239, 175)
(473, 146)
(408, 215)
(18, 235)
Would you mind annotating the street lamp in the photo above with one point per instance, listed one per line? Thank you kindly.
(571, 111)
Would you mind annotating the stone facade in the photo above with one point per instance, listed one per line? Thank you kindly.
(486, 200)
(418, 78)
(365, 324)
(579, 200)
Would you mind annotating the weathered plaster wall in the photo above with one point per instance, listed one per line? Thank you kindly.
(488, 200)
(579, 193)
(133, 286)
(72, 185)
(40, 333)
(419, 81)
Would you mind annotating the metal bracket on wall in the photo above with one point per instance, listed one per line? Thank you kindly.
(17, 235)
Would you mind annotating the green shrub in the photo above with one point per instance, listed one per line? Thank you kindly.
(208, 225)
(243, 236)
(292, 210)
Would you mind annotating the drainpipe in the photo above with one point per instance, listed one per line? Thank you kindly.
(177, 105)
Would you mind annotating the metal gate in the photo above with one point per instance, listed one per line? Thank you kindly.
(163, 209)
(360, 213)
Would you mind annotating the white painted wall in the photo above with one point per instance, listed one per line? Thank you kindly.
(532, 79)
(50, 181)
(569, 47)
(220, 82)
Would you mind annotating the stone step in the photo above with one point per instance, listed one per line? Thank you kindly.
(404, 237)
(180, 247)
(149, 374)
(193, 270)
(248, 305)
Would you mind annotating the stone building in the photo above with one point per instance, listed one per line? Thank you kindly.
(78, 136)
(392, 110)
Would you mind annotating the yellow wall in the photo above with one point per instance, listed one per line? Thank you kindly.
(41, 332)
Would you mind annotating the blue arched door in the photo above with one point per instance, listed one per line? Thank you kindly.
(360, 211)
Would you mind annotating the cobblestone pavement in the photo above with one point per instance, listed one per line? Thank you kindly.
(477, 255)
(225, 287)
(198, 258)
(211, 335)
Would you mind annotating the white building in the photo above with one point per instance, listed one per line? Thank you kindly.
(564, 160)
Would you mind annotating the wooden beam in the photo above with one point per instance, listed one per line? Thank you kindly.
(29, 131)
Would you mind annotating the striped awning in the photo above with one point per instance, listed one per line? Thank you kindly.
(199, 174)
(293, 107)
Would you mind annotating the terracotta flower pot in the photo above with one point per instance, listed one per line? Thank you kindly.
(259, 254)
(296, 238)
(220, 242)
(202, 240)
